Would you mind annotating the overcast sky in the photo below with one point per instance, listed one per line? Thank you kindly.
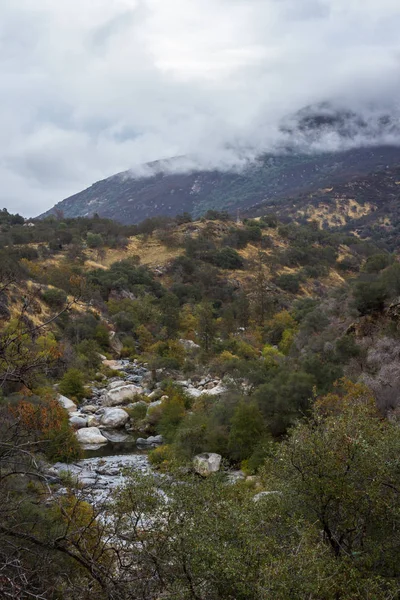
(93, 87)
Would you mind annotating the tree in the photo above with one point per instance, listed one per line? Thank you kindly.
(369, 296)
(339, 472)
(207, 327)
(94, 240)
(247, 427)
(285, 399)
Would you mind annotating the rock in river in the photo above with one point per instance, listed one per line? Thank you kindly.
(122, 394)
(90, 435)
(67, 403)
(78, 422)
(113, 418)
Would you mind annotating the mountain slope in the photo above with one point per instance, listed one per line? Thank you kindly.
(273, 178)
(368, 205)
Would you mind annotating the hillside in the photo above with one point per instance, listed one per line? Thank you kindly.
(367, 205)
(255, 363)
(276, 179)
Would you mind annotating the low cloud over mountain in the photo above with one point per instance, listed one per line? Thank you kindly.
(93, 87)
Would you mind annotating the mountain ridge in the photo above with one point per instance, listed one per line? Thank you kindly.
(130, 200)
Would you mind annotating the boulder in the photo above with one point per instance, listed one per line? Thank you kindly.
(113, 418)
(189, 345)
(115, 343)
(150, 441)
(207, 463)
(115, 365)
(89, 409)
(122, 395)
(93, 421)
(67, 403)
(117, 437)
(90, 435)
(153, 405)
(193, 392)
(78, 422)
(116, 384)
(216, 391)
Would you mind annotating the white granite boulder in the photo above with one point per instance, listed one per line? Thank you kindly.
(78, 422)
(114, 418)
(207, 463)
(122, 395)
(67, 404)
(91, 436)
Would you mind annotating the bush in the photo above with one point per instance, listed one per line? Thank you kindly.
(227, 258)
(162, 457)
(94, 240)
(377, 263)
(369, 296)
(247, 427)
(71, 385)
(54, 298)
(288, 283)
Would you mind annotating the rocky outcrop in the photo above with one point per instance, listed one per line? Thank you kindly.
(115, 343)
(122, 395)
(207, 463)
(190, 346)
(91, 436)
(115, 365)
(205, 386)
(114, 418)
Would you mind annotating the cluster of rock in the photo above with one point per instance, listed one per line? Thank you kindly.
(107, 410)
(208, 385)
(110, 404)
(99, 476)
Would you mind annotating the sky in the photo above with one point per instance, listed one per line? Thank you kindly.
(90, 88)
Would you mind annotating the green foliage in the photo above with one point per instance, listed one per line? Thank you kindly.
(285, 399)
(62, 445)
(54, 298)
(377, 262)
(271, 355)
(72, 385)
(369, 296)
(88, 353)
(94, 240)
(207, 326)
(247, 427)
(335, 474)
(227, 258)
(173, 411)
(288, 282)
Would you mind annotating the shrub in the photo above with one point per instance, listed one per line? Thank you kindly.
(288, 283)
(247, 427)
(377, 263)
(227, 258)
(162, 457)
(71, 385)
(94, 240)
(54, 298)
(369, 296)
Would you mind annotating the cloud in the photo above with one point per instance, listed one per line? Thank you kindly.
(94, 87)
